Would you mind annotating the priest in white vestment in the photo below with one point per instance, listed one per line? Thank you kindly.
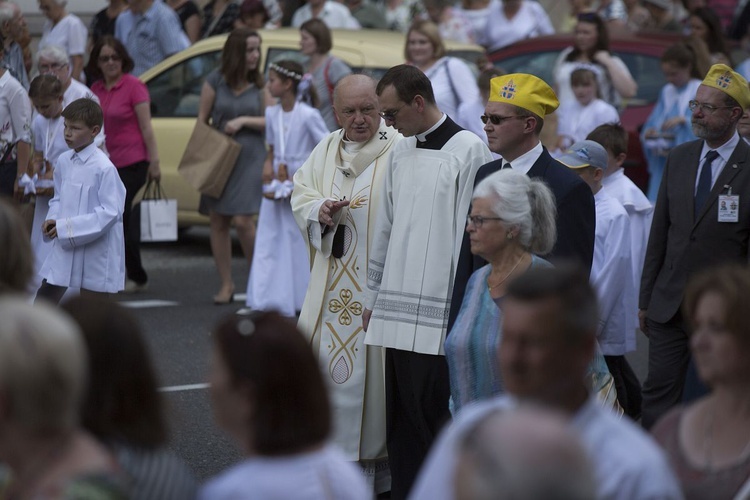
(417, 240)
(334, 199)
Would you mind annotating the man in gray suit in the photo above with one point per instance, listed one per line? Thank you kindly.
(701, 218)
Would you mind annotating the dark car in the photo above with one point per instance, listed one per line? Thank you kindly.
(641, 54)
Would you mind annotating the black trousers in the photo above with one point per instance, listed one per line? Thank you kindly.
(417, 389)
(133, 177)
(668, 358)
(627, 385)
(8, 178)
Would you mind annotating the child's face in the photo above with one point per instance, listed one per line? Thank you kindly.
(591, 176)
(78, 135)
(276, 85)
(677, 76)
(585, 92)
(49, 107)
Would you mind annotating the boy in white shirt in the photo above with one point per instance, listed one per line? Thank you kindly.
(85, 214)
(611, 274)
(575, 119)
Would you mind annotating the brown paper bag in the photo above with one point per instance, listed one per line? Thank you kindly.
(208, 159)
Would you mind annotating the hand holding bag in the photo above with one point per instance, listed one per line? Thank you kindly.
(208, 159)
(158, 215)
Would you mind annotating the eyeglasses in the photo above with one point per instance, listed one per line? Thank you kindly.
(113, 57)
(390, 114)
(46, 68)
(497, 119)
(478, 220)
(707, 109)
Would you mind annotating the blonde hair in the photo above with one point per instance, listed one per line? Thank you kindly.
(42, 365)
(432, 32)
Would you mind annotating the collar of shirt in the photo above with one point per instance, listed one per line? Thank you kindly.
(524, 162)
(83, 155)
(423, 136)
(5, 78)
(725, 150)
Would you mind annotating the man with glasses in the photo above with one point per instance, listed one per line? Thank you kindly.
(53, 60)
(514, 117)
(701, 219)
(417, 237)
(334, 201)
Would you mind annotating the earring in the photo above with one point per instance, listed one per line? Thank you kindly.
(509, 235)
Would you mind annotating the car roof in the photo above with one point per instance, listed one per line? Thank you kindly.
(380, 49)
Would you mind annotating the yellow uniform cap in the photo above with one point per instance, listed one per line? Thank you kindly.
(525, 91)
(721, 77)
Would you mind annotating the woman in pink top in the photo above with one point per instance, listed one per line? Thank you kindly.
(130, 139)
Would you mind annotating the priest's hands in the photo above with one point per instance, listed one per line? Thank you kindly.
(328, 209)
(366, 314)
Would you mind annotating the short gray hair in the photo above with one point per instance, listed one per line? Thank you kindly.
(53, 53)
(43, 365)
(525, 203)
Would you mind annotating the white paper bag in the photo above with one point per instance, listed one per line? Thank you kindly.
(158, 217)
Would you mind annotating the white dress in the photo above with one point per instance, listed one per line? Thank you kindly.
(69, 33)
(564, 68)
(576, 122)
(280, 270)
(49, 139)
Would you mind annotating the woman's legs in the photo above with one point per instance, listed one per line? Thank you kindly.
(133, 177)
(245, 225)
(221, 248)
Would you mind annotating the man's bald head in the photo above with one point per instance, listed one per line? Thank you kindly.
(528, 453)
(355, 104)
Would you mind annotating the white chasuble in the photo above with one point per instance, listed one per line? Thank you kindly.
(332, 312)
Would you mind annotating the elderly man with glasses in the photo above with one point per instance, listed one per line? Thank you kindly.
(53, 60)
(417, 237)
(334, 201)
(700, 220)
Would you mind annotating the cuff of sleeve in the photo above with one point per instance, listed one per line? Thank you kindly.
(371, 297)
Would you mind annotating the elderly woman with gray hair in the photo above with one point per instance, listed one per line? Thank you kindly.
(66, 31)
(42, 380)
(511, 223)
(53, 60)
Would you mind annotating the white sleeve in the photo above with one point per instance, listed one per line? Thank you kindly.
(381, 237)
(610, 275)
(77, 36)
(463, 81)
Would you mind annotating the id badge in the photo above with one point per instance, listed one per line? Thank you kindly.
(729, 208)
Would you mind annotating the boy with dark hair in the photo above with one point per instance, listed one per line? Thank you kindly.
(85, 214)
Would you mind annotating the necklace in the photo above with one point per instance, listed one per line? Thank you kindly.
(490, 287)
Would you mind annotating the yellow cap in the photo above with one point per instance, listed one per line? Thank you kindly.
(721, 77)
(525, 91)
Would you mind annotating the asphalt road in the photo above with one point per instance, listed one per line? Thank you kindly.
(177, 314)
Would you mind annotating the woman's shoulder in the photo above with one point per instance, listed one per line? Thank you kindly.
(669, 424)
(214, 78)
(537, 261)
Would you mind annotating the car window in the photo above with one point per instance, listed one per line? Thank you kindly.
(646, 71)
(176, 92)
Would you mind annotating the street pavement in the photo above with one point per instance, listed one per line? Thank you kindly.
(177, 314)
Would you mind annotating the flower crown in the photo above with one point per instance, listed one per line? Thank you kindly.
(286, 72)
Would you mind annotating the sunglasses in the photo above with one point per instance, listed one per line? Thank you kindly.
(106, 59)
(497, 119)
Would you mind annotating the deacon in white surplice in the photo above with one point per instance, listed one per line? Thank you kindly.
(412, 262)
(334, 199)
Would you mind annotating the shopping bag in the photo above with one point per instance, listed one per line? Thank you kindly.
(158, 215)
(208, 159)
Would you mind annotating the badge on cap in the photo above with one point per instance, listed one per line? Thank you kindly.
(509, 90)
(724, 80)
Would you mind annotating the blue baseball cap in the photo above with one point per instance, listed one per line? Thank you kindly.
(585, 154)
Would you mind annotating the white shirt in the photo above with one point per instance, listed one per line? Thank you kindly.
(323, 474)
(15, 114)
(453, 84)
(611, 277)
(69, 33)
(627, 463)
(524, 162)
(717, 166)
(640, 212)
(530, 21)
(335, 15)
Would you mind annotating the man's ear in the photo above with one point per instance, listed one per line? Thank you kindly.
(95, 130)
(420, 102)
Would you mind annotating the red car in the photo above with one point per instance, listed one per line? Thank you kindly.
(641, 54)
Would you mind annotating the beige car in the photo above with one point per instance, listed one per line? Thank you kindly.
(175, 86)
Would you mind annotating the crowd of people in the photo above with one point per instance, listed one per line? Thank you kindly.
(465, 294)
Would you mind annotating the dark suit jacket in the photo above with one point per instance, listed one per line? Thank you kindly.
(681, 243)
(576, 222)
